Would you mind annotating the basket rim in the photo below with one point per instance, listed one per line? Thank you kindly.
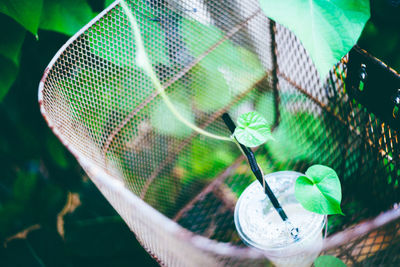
(197, 241)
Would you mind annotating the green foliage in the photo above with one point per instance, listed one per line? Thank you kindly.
(25, 12)
(252, 129)
(226, 71)
(10, 53)
(265, 106)
(327, 29)
(62, 16)
(216, 95)
(37, 173)
(162, 194)
(10, 47)
(108, 2)
(319, 191)
(57, 152)
(65, 16)
(206, 36)
(24, 185)
(328, 261)
(8, 74)
(299, 137)
(164, 120)
(205, 160)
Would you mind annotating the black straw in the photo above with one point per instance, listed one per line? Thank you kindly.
(256, 170)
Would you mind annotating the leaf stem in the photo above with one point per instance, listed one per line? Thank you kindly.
(144, 63)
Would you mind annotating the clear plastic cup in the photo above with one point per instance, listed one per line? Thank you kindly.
(260, 226)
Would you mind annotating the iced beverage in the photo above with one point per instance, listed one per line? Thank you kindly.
(260, 226)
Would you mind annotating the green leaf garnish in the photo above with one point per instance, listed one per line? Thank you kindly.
(252, 129)
(328, 261)
(319, 191)
(328, 29)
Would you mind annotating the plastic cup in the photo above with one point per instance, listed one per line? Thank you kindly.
(260, 226)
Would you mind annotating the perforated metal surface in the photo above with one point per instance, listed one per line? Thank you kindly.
(177, 190)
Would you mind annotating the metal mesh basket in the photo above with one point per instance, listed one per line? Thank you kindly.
(177, 190)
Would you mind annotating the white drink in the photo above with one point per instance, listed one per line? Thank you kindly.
(260, 226)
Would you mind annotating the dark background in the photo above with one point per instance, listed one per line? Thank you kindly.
(38, 173)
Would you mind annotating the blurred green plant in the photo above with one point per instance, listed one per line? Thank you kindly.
(37, 170)
(62, 16)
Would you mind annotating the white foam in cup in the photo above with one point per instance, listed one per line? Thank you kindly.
(260, 226)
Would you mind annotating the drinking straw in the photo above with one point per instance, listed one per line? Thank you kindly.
(257, 172)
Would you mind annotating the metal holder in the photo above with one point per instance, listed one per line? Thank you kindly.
(104, 110)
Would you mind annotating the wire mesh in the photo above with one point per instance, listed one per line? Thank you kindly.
(177, 190)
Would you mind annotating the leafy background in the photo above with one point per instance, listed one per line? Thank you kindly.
(39, 176)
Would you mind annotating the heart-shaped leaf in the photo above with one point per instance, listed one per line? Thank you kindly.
(319, 191)
(328, 261)
(327, 29)
(252, 129)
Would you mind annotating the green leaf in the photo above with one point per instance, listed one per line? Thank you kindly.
(300, 135)
(252, 129)
(65, 16)
(212, 93)
(319, 191)
(57, 152)
(108, 2)
(163, 194)
(25, 12)
(328, 261)
(225, 72)
(8, 74)
(205, 159)
(14, 35)
(199, 37)
(108, 44)
(165, 121)
(327, 29)
(24, 185)
(10, 53)
(266, 106)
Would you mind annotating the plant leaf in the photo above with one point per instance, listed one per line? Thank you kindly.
(328, 261)
(225, 72)
(10, 47)
(108, 2)
(319, 191)
(65, 16)
(252, 129)
(8, 74)
(25, 12)
(10, 52)
(266, 106)
(205, 159)
(57, 152)
(154, 39)
(165, 121)
(327, 29)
